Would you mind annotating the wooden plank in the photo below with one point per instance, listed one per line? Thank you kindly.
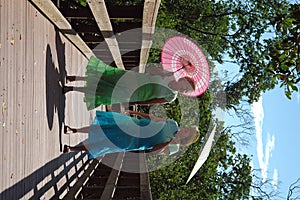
(110, 186)
(20, 58)
(8, 115)
(3, 87)
(99, 11)
(127, 193)
(149, 18)
(31, 165)
(55, 16)
(97, 180)
(38, 135)
(27, 98)
(145, 189)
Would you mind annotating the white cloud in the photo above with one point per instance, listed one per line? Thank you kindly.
(275, 179)
(263, 156)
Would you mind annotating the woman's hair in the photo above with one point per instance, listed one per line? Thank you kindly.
(189, 80)
(192, 137)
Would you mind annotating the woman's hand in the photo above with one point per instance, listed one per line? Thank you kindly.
(127, 112)
(145, 115)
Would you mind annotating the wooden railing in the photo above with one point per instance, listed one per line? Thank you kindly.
(100, 181)
(113, 182)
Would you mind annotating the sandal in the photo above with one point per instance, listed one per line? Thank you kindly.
(67, 89)
(66, 149)
(70, 79)
(69, 130)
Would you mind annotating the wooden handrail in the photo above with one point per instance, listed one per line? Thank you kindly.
(99, 11)
(54, 15)
(149, 18)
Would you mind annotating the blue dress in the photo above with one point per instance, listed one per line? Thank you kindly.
(113, 132)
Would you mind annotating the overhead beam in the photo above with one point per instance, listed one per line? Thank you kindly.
(100, 13)
(149, 18)
(55, 16)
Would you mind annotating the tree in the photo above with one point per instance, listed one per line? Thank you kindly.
(238, 29)
(283, 52)
(294, 190)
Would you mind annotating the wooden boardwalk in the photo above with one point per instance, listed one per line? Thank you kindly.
(34, 60)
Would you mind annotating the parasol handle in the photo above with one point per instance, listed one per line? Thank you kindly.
(179, 69)
(187, 65)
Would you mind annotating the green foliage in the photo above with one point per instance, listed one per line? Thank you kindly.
(237, 28)
(283, 52)
(81, 2)
(74, 4)
(125, 2)
(225, 175)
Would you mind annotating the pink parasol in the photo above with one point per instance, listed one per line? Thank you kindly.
(184, 57)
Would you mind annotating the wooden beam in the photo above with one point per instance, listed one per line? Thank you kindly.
(145, 189)
(110, 186)
(55, 16)
(149, 18)
(99, 11)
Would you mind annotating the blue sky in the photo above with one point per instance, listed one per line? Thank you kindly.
(277, 146)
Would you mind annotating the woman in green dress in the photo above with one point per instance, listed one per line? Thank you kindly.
(105, 85)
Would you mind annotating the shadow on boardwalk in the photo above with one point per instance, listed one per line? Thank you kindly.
(53, 177)
(55, 80)
(54, 172)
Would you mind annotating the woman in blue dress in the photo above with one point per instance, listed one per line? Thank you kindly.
(113, 132)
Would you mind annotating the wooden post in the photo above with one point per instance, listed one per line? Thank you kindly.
(149, 18)
(99, 11)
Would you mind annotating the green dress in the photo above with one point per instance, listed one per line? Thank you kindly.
(109, 85)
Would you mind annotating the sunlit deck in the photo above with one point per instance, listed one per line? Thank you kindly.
(37, 52)
(35, 59)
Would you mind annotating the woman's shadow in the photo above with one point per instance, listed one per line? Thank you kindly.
(55, 80)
